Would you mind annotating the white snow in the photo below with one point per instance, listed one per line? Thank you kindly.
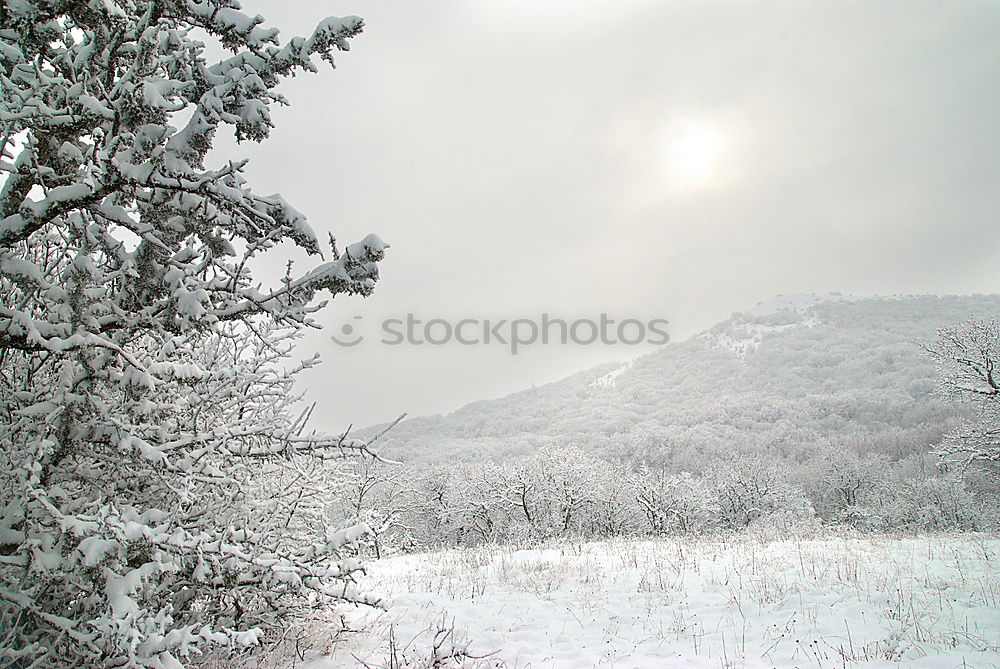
(746, 331)
(609, 379)
(744, 337)
(928, 602)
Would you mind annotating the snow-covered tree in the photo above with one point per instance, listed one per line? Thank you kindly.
(678, 503)
(569, 483)
(968, 356)
(147, 417)
(384, 496)
(752, 489)
(840, 480)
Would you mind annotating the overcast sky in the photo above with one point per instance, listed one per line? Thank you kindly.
(647, 159)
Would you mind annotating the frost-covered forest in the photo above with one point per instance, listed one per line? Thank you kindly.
(779, 378)
(802, 411)
(812, 481)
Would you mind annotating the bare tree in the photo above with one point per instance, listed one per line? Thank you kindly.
(968, 356)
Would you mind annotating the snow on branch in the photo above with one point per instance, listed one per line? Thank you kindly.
(151, 433)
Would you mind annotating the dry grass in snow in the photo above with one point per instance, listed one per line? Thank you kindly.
(929, 602)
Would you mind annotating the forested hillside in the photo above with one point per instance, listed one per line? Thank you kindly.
(791, 374)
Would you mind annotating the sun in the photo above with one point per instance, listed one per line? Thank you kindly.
(694, 153)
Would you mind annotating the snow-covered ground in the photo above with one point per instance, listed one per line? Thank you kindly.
(929, 602)
(743, 336)
(609, 379)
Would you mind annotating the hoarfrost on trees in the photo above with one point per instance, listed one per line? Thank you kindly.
(149, 434)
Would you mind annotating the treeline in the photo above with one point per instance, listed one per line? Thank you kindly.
(565, 492)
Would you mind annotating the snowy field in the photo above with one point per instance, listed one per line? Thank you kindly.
(931, 602)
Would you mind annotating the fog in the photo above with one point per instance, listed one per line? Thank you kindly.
(638, 159)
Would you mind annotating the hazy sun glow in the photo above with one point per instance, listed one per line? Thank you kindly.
(694, 154)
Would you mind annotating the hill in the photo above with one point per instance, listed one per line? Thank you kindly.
(778, 379)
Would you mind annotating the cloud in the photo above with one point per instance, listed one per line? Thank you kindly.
(508, 152)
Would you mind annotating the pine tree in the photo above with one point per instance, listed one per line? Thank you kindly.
(147, 421)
